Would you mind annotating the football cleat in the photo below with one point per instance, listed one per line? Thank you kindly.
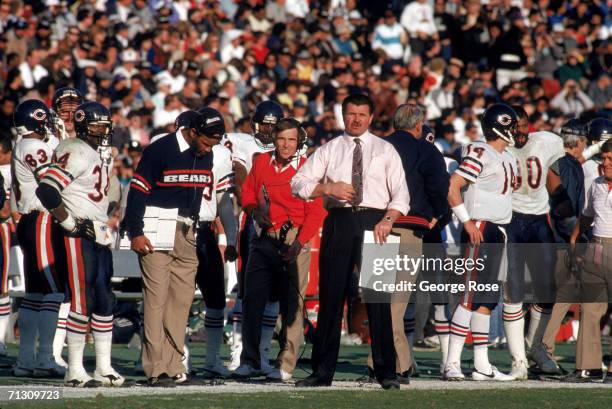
(519, 370)
(109, 378)
(495, 375)
(80, 380)
(452, 372)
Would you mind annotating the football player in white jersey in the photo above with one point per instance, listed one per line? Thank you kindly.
(43, 279)
(487, 172)
(535, 152)
(245, 148)
(217, 201)
(6, 149)
(64, 103)
(74, 190)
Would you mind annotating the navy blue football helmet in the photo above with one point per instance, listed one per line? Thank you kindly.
(267, 114)
(66, 94)
(499, 121)
(93, 124)
(599, 129)
(33, 116)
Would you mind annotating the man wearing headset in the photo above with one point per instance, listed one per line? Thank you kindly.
(277, 264)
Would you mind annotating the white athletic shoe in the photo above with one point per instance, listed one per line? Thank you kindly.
(452, 372)
(78, 379)
(49, 370)
(519, 370)
(279, 375)
(495, 375)
(109, 378)
(216, 370)
(245, 371)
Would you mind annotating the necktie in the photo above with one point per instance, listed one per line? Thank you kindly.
(357, 173)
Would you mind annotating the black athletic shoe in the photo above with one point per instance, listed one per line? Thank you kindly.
(584, 376)
(161, 381)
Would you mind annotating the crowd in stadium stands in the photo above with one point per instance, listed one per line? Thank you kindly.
(148, 61)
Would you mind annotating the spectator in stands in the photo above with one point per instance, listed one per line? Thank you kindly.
(600, 91)
(167, 115)
(417, 19)
(31, 70)
(573, 69)
(390, 37)
(571, 100)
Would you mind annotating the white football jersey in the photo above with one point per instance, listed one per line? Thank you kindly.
(244, 148)
(31, 159)
(592, 170)
(535, 158)
(223, 180)
(492, 175)
(82, 177)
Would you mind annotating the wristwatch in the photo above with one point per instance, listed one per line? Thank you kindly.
(388, 219)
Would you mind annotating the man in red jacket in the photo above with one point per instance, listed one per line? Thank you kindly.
(278, 263)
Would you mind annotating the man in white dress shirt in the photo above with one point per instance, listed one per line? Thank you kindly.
(364, 186)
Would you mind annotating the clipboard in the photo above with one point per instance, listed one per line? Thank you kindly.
(371, 254)
(159, 228)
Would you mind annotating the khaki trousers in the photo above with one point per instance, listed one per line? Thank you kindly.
(168, 279)
(410, 246)
(292, 309)
(596, 283)
(567, 291)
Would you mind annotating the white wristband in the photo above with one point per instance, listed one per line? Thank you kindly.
(222, 240)
(69, 223)
(461, 213)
